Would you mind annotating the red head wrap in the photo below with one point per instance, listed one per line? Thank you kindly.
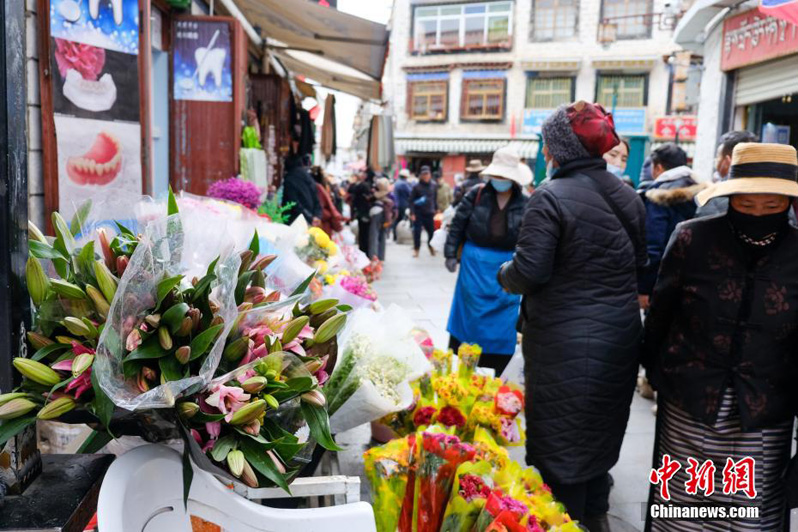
(593, 126)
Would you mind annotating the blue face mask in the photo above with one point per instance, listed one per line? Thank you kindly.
(501, 185)
(617, 171)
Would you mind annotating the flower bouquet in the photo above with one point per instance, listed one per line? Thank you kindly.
(387, 469)
(352, 289)
(472, 486)
(237, 190)
(317, 249)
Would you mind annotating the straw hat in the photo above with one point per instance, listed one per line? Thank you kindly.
(507, 164)
(475, 165)
(382, 188)
(758, 169)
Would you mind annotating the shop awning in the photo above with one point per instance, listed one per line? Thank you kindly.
(330, 74)
(307, 26)
(526, 148)
(692, 28)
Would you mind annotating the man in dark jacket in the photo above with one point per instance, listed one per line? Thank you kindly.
(299, 188)
(423, 204)
(401, 191)
(723, 159)
(361, 198)
(473, 179)
(669, 200)
(576, 263)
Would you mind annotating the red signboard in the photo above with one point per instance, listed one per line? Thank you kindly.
(751, 37)
(665, 127)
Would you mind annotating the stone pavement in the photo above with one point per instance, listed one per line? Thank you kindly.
(424, 288)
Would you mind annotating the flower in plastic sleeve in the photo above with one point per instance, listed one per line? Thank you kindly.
(509, 430)
(509, 402)
(227, 399)
(473, 487)
(424, 416)
(451, 417)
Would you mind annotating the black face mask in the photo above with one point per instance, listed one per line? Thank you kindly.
(758, 227)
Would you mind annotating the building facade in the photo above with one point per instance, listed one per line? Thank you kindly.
(465, 78)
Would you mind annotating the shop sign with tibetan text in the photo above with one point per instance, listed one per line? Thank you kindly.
(751, 37)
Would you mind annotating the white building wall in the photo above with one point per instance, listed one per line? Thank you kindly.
(34, 112)
(710, 107)
(584, 48)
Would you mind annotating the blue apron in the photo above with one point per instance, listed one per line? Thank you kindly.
(482, 313)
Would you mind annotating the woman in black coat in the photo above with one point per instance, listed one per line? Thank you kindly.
(482, 236)
(576, 265)
(721, 343)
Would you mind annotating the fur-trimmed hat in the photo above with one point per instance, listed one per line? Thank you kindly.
(579, 130)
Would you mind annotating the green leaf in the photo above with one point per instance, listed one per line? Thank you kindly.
(258, 438)
(201, 342)
(40, 250)
(12, 427)
(76, 225)
(304, 286)
(102, 405)
(48, 350)
(172, 203)
(243, 282)
(85, 262)
(287, 449)
(166, 286)
(319, 425)
(131, 368)
(223, 446)
(63, 234)
(300, 384)
(149, 348)
(124, 230)
(254, 246)
(188, 472)
(344, 308)
(202, 417)
(171, 369)
(96, 441)
(212, 267)
(61, 267)
(255, 454)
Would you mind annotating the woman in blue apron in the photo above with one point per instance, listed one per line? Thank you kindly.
(481, 238)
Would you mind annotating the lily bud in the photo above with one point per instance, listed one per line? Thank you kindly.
(277, 463)
(293, 329)
(314, 397)
(263, 262)
(246, 260)
(76, 326)
(329, 329)
(187, 409)
(245, 306)
(248, 412)
(236, 350)
(271, 401)
(194, 281)
(273, 297)
(235, 462)
(105, 280)
(37, 340)
(195, 315)
(38, 282)
(34, 233)
(213, 305)
(255, 294)
(153, 320)
(252, 428)
(254, 384)
(67, 289)
(248, 475)
(16, 408)
(121, 264)
(62, 339)
(105, 246)
(217, 320)
(57, 408)
(100, 303)
(6, 397)
(81, 363)
(185, 327)
(36, 371)
(141, 382)
(149, 373)
(183, 354)
(133, 340)
(314, 365)
(164, 338)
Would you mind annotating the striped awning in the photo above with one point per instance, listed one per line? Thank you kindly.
(526, 148)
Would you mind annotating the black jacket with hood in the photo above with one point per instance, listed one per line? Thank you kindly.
(300, 188)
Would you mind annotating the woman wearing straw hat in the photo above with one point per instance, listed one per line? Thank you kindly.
(483, 235)
(720, 343)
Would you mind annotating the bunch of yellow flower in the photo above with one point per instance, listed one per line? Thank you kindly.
(324, 241)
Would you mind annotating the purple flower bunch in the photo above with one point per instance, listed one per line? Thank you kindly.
(237, 190)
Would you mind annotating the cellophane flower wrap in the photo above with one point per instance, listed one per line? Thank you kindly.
(387, 469)
(472, 485)
(376, 362)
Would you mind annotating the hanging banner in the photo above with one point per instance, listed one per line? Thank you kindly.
(753, 37)
(94, 47)
(202, 61)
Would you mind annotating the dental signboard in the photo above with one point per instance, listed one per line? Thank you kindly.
(94, 47)
(202, 61)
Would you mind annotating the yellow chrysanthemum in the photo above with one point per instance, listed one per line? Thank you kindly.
(321, 266)
(321, 238)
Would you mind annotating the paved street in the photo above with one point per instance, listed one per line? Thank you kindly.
(424, 288)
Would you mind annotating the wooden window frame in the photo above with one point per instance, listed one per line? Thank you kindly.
(646, 16)
(532, 78)
(603, 75)
(536, 38)
(411, 93)
(466, 117)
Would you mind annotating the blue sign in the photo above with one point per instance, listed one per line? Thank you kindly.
(775, 134)
(533, 119)
(630, 121)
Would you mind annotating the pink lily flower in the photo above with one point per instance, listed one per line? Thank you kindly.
(247, 358)
(208, 445)
(228, 399)
(80, 349)
(322, 376)
(259, 334)
(214, 428)
(81, 384)
(196, 435)
(64, 365)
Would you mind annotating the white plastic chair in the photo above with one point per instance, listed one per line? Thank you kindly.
(143, 492)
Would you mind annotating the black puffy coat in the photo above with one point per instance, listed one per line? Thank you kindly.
(299, 188)
(470, 182)
(577, 269)
(472, 221)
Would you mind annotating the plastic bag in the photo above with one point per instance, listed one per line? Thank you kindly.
(472, 486)
(387, 468)
(438, 240)
(514, 372)
(377, 360)
(159, 254)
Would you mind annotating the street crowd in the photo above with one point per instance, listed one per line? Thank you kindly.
(693, 278)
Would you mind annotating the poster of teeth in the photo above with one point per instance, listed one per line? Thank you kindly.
(108, 24)
(202, 62)
(96, 155)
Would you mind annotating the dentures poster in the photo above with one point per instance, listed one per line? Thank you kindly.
(202, 62)
(94, 59)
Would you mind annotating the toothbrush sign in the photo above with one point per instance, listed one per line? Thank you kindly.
(202, 62)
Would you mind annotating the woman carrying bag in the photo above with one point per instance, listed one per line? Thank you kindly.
(483, 235)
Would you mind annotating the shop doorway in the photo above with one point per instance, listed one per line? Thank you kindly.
(781, 112)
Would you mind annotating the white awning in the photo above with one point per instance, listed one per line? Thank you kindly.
(307, 26)
(526, 148)
(692, 29)
(330, 74)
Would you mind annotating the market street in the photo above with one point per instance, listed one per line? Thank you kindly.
(424, 288)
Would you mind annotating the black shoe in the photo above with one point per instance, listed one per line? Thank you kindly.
(597, 523)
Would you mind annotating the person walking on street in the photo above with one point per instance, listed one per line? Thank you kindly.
(423, 204)
(445, 195)
(723, 158)
(720, 341)
(482, 236)
(669, 200)
(472, 179)
(361, 198)
(331, 218)
(401, 191)
(580, 249)
(299, 188)
(381, 219)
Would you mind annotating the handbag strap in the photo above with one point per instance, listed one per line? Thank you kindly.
(627, 225)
